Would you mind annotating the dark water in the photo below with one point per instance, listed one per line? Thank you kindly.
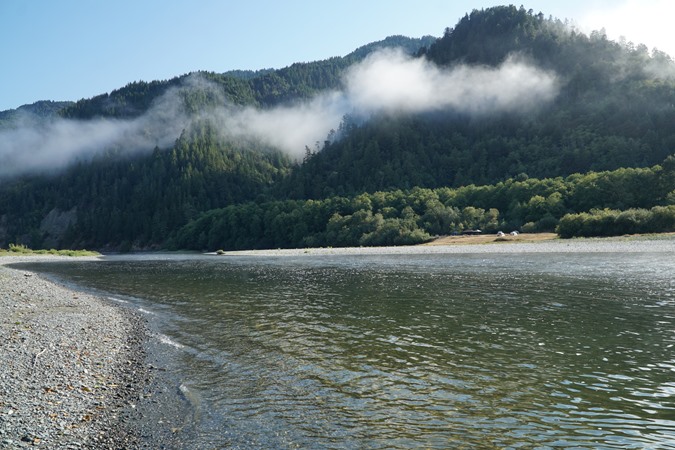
(417, 351)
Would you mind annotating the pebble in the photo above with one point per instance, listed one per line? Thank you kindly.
(69, 367)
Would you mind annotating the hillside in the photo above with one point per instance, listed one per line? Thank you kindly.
(138, 187)
(376, 147)
(612, 110)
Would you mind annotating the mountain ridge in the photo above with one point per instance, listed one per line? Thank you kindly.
(136, 91)
(600, 106)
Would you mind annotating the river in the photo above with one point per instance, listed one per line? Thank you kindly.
(483, 350)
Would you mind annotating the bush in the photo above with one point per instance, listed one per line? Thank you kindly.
(15, 249)
(18, 248)
(609, 222)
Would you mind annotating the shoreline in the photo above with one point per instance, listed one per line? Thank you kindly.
(660, 243)
(72, 366)
(79, 370)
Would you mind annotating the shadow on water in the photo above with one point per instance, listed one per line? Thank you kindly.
(409, 351)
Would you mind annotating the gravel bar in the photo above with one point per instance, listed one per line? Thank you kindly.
(631, 244)
(72, 366)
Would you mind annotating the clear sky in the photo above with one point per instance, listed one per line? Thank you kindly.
(73, 49)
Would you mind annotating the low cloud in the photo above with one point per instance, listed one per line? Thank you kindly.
(35, 145)
(392, 82)
(387, 82)
(290, 128)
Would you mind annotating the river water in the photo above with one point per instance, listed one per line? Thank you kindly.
(518, 350)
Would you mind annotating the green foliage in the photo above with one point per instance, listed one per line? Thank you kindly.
(14, 248)
(137, 201)
(609, 222)
(157, 201)
(409, 217)
(382, 218)
(22, 250)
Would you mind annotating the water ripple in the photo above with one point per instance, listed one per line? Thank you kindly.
(488, 351)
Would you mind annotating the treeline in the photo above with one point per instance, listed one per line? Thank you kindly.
(414, 216)
(611, 222)
(383, 218)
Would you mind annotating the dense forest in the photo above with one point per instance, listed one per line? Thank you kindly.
(633, 200)
(593, 159)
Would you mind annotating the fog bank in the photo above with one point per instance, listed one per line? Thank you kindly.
(386, 82)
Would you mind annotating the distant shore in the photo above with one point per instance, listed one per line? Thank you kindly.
(492, 238)
(71, 367)
(523, 243)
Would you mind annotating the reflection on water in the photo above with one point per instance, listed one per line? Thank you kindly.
(434, 351)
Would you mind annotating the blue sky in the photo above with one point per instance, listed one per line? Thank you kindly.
(73, 49)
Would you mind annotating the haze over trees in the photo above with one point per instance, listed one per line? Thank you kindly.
(510, 120)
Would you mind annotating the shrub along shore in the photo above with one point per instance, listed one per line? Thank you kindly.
(22, 250)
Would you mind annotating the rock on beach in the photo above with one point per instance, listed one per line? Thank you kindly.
(71, 365)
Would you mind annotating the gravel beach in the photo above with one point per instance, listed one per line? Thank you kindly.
(71, 365)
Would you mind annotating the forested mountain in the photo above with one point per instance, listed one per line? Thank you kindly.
(613, 110)
(114, 202)
(119, 198)
(526, 121)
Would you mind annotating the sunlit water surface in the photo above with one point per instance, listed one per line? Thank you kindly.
(410, 351)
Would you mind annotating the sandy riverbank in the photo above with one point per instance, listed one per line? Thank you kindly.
(545, 243)
(71, 365)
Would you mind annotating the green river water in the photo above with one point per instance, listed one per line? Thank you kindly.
(410, 351)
